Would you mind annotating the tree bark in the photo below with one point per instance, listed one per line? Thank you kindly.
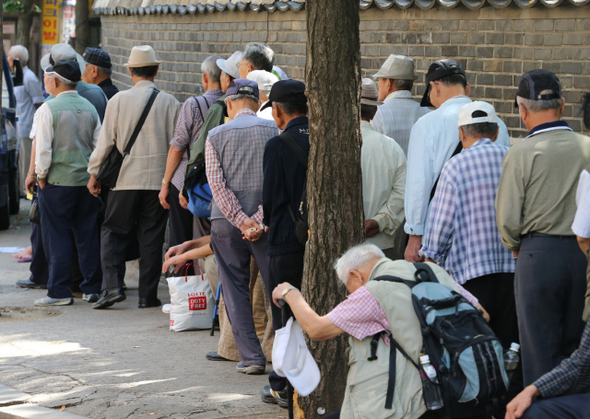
(333, 179)
(23, 24)
(82, 39)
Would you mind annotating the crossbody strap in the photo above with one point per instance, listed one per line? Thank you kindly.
(457, 150)
(141, 121)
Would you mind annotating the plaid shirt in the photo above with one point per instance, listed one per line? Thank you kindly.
(462, 234)
(572, 376)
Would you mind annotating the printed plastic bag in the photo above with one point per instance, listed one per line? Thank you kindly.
(191, 302)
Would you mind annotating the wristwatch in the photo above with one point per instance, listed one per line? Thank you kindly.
(165, 182)
(286, 290)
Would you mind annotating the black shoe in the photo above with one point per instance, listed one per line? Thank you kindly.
(109, 297)
(214, 356)
(147, 303)
(268, 395)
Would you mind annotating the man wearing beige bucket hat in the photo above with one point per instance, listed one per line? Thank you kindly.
(133, 207)
(399, 111)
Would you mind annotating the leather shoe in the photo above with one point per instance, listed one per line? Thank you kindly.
(109, 297)
(147, 303)
(214, 356)
(268, 395)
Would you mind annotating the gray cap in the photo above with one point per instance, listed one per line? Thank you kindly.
(62, 52)
(397, 67)
(231, 66)
(369, 93)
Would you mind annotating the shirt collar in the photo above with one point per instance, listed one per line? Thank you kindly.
(399, 94)
(214, 92)
(454, 99)
(482, 141)
(68, 92)
(549, 126)
(106, 82)
(245, 111)
(300, 120)
(366, 124)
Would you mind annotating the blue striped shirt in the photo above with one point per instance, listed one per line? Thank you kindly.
(461, 232)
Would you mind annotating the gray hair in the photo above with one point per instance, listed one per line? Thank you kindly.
(404, 84)
(105, 71)
(233, 98)
(210, 68)
(481, 130)
(20, 52)
(64, 81)
(539, 105)
(261, 56)
(356, 257)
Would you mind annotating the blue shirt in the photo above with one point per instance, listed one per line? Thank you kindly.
(462, 235)
(433, 139)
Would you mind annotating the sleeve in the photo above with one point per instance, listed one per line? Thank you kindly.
(439, 235)
(510, 200)
(581, 225)
(468, 296)
(224, 198)
(107, 138)
(43, 140)
(391, 214)
(34, 90)
(96, 133)
(187, 117)
(268, 182)
(564, 378)
(503, 137)
(419, 180)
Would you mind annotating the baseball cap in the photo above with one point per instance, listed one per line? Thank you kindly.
(476, 113)
(397, 67)
(68, 69)
(438, 70)
(534, 82)
(243, 87)
(263, 78)
(292, 91)
(62, 52)
(369, 93)
(291, 359)
(231, 66)
(97, 56)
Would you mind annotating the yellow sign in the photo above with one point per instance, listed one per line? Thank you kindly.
(50, 22)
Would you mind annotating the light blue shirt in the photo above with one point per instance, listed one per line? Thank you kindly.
(432, 142)
(27, 96)
(581, 225)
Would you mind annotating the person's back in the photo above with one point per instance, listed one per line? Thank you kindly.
(94, 95)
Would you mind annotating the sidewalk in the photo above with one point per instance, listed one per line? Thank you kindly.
(122, 362)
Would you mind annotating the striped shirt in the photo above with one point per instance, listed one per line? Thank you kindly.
(581, 225)
(396, 117)
(462, 235)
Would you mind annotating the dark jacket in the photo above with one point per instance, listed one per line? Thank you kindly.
(108, 88)
(284, 179)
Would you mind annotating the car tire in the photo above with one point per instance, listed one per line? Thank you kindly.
(4, 208)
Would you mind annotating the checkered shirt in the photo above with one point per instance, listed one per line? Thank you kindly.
(98, 57)
(572, 376)
(461, 231)
(233, 161)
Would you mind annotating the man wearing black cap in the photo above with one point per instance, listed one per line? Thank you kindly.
(285, 171)
(98, 70)
(434, 139)
(66, 130)
(535, 208)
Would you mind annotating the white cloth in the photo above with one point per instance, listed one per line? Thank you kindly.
(27, 96)
(42, 133)
(581, 224)
(432, 142)
(266, 113)
(396, 117)
(383, 166)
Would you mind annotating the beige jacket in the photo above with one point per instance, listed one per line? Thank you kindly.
(143, 168)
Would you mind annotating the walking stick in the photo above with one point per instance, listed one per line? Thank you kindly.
(284, 318)
(215, 317)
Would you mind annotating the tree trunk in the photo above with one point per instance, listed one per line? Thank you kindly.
(23, 24)
(82, 39)
(333, 178)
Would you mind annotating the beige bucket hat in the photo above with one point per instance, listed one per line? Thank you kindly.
(369, 93)
(397, 67)
(142, 56)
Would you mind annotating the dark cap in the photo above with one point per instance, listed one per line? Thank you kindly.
(286, 91)
(68, 69)
(97, 56)
(438, 70)
(534, 82)
(243, 87)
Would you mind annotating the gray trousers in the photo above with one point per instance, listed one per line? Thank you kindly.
(549, 288)
(233, 263)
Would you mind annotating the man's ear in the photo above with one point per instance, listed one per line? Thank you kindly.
(461, 135)
(468, 90)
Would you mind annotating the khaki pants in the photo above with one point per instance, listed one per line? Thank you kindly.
(24, 160)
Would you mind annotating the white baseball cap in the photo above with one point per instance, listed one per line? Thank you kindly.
(476, 113)
(264, 79)
(291, 359)
(231, 66)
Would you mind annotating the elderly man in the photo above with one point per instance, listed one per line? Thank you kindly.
(98, 70)
(29, 96)
(364, 314)
(434, 139)
(66, 130)
(256, 56)
(133, 206)
(265, 81)
(234, 153)
(399, 112)
(190, 121)
(535, 207)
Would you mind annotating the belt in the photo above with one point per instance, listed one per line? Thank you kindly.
(548, 236)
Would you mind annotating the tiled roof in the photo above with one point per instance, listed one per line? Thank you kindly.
(151, 7)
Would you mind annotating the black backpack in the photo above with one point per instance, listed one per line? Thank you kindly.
(467, 355)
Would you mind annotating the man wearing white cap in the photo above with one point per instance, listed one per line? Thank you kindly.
(461, 234)
(133, 206)
(265, 81)
(384, 179)
(399, 112)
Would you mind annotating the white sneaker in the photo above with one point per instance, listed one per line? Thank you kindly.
(166, 308)
(48, 301)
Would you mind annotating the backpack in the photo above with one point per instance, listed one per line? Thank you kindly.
(301, 221)
(467, 355)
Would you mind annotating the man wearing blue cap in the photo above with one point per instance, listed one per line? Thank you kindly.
(98, 71)
(233, 159)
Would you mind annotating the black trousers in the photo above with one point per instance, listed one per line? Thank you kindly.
(180, 220)
(576, 406)
(129, 215)
(39, 267)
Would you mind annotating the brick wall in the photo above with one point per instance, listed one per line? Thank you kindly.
(495, 46)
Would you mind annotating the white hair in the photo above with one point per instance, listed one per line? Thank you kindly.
(539, 105)
(64, 81)
(209, 67)
(261, 56)
(356, 257)
(20, 52)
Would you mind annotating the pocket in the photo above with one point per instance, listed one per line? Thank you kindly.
(367, 397)
(220, 228)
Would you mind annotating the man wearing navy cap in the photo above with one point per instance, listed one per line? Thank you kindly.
(98, 70)
(66, 130)
(233, 159)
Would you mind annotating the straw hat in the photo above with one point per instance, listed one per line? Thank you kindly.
(142, 56)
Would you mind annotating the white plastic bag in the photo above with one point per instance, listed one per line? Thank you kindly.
(191, 303)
